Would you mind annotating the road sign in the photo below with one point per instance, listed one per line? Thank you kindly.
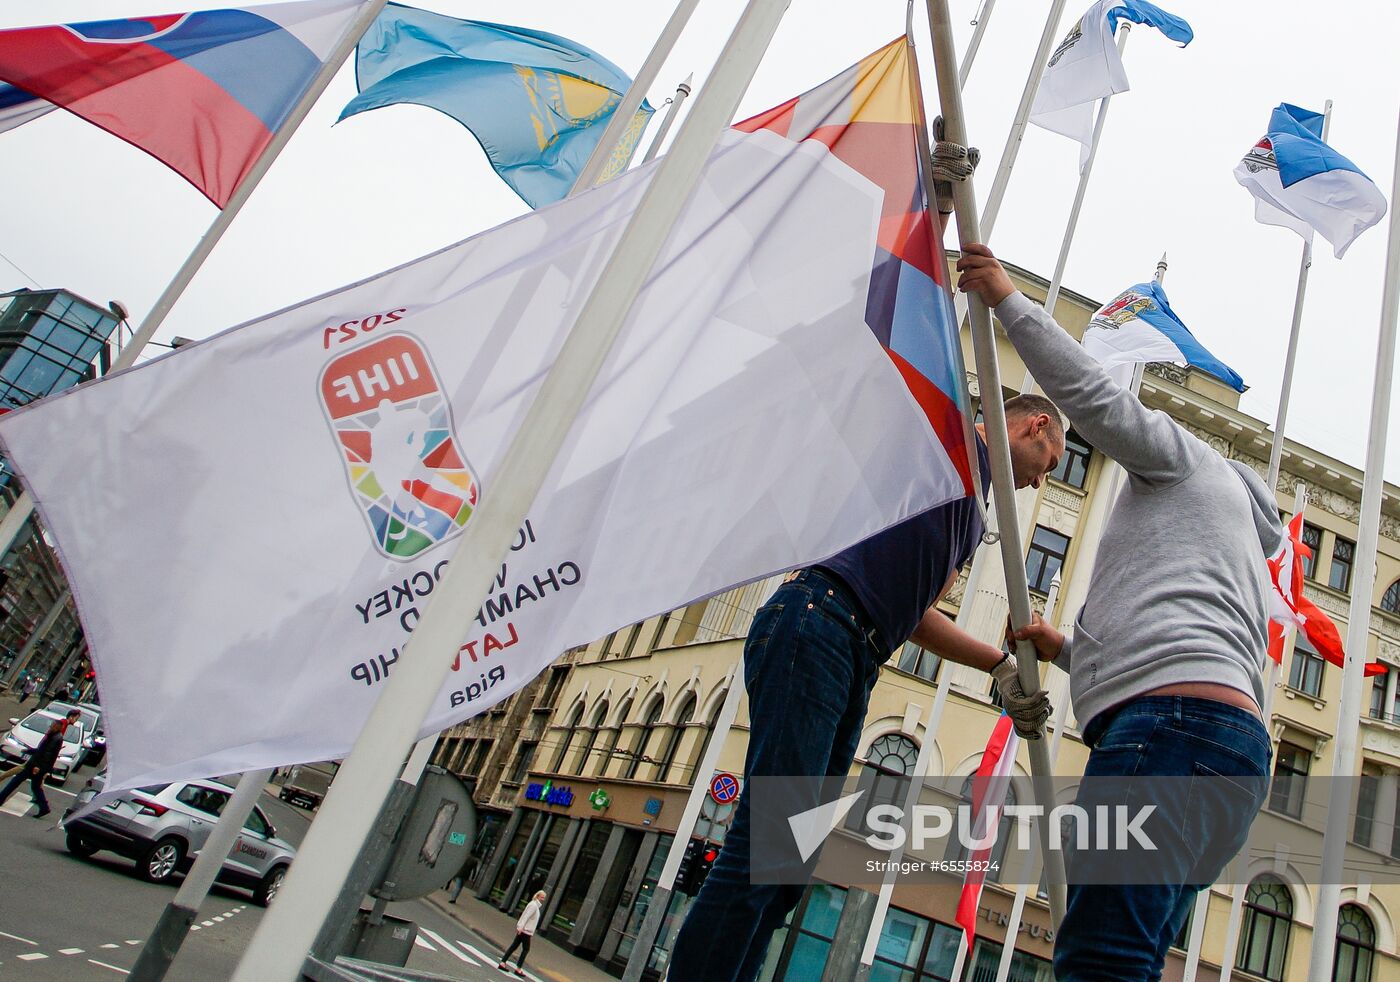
(724, 788)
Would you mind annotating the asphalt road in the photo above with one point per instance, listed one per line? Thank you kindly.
(64, 918)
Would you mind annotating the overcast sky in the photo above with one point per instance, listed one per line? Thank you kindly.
(89, 213)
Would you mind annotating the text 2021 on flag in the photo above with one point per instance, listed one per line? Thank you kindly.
(252, 524)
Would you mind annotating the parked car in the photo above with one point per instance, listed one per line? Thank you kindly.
(164, 826)
(94, 742)
(25, 735)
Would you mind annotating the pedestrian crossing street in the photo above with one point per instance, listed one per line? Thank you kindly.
(466, 952)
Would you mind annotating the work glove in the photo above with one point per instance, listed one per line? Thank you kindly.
(1027, 712)
(951, 162)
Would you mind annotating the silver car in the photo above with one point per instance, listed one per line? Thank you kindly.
(164, 826)
(91, 718)
(25, 734)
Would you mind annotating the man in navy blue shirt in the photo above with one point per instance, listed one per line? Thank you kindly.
(810, 663)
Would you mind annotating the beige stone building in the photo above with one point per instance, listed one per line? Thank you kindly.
(582, 776)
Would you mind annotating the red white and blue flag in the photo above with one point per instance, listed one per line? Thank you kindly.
(989, 788)
(202, 92)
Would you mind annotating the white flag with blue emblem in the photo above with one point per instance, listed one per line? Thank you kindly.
(1139, 326)
(1085, 66)
(1300, 182)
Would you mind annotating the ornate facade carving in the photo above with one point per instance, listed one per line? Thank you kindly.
(1061, 497)
(1168, 371)
(958, 589)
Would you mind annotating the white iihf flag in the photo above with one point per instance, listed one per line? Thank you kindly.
(1085, 67)
(1301, 183)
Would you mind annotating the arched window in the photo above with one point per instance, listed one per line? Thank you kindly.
(1268, 917)
(884, 769)
(1390, 600)
(567, 739)
(605, 755)
(639, 749)
(1356, 945)
(591, 738)
(673, 740)
(709, 733)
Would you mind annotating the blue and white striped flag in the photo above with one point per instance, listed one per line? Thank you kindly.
(1139, 326)
(1300, 182)
(18, 107)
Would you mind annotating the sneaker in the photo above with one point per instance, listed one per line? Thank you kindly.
(42, 813)
(520, 972)
(501, 967)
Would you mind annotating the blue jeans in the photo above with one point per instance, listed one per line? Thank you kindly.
(1215, 759)
(809, 666)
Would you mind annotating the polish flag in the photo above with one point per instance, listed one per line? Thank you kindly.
(1290, 609)
(988, 796)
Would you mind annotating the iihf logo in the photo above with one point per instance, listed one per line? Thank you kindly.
(394, 427)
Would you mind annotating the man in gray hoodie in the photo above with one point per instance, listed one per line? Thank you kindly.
(1165, 655)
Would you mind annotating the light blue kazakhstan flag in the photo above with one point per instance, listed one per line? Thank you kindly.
(538, 103)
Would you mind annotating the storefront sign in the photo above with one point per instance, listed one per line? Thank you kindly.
(998, 918)
(652, 807)
(549, 794)
(600, 800)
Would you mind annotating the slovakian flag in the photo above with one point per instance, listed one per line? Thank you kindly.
(280, 500)
(1301, 183)
(1290, 609)
(538, 103)
(989, 786)
(1139, 325)
(1086, 67)
(203, 92)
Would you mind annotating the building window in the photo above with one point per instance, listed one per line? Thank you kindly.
(916, 949)
(673, 741)
(1356, 945)
(614, 733)
(710, 725)
(1268, 917)
(1073, 468)
(1378, 690)
(1046, 556)
(1312, 538)
(918, 661)
(524, 757)
(557, 675)
(1025, 967)
(1367, 789)
(1390, 600)
(884, 770)
(811, 942)
(590, 739)
(483, 750)
(1290, 780)
(639, 749)
(1305, 674)
(570, 729)
(1343, 555)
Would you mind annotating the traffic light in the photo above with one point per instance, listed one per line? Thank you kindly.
(708, 855)
(699, 858)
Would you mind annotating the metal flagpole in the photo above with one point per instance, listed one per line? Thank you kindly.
(980, 21)
(1018, 905)
(285, 934)
(1021, 119)
(1073, 221)
(1334, 840)
(594, 171)
(173, 925)
(1198, 935)
(661, 897)
(24, 505)
(682, 91)
(1003, 487)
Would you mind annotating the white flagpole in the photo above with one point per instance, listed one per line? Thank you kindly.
(285, 934)
(1004, 490)
(594, 170)
(980, 21)
(24, 505)
(665, 884)
(1334, 840)
(1018, 905)
(1021, 119)
(682, 91)
(1197, 936)
(1073, 222)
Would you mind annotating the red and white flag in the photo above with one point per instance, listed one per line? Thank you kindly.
(989, 787)
(1290, 609)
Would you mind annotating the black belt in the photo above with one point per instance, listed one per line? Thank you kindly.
(864, 623)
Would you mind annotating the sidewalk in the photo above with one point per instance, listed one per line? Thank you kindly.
(496, 929)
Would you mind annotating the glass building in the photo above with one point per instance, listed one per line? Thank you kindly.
(50, 340)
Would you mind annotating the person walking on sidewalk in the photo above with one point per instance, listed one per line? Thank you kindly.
(31, 685)
(40, 761)
(525, 929)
